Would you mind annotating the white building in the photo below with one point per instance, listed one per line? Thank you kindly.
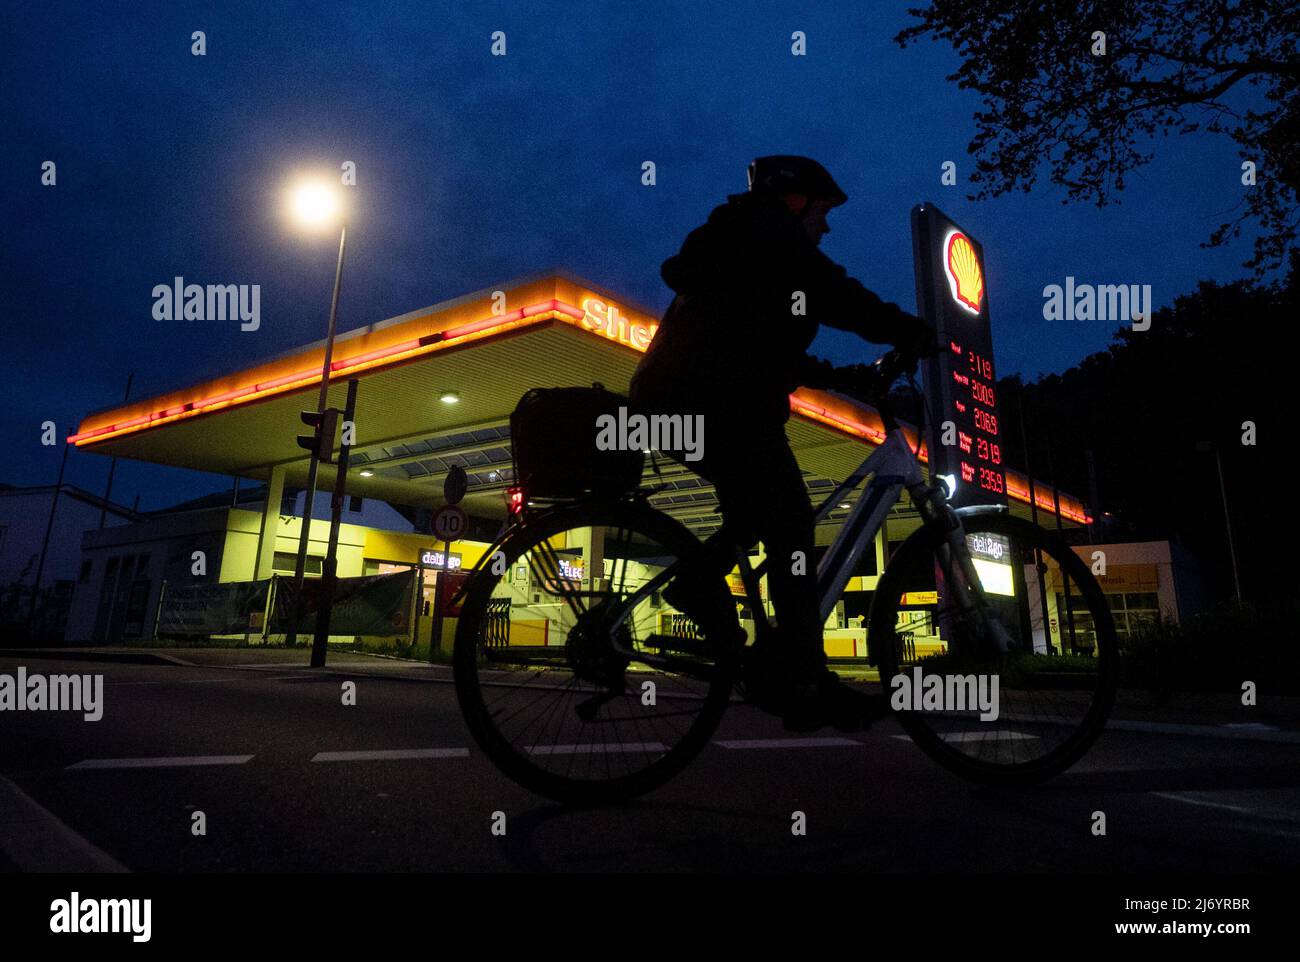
(25, 517)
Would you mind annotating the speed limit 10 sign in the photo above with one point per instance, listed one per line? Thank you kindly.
(449, 523)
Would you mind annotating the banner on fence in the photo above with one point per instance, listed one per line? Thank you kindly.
(228, 608)
(369, 605)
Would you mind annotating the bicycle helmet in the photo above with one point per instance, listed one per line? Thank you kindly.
(787, 174)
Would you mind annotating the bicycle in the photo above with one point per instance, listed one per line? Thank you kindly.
(579, 683)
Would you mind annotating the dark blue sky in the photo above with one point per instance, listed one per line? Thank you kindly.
(473, 169)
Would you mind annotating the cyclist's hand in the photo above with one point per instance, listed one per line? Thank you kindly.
(860, 381)
(918, 341)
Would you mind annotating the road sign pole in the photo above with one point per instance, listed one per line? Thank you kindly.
(329, 569)
(435, 634)
(448, 523)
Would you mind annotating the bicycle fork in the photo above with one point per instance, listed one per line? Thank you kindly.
(962, 584)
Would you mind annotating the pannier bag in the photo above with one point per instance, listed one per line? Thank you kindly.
(553, 436)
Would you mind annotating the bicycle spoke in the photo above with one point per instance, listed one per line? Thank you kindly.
(566, 697)
(1047, 709)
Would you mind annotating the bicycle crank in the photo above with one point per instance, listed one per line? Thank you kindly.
(591, 653)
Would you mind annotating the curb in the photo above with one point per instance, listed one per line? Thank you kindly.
(34, 839)
(84, 654)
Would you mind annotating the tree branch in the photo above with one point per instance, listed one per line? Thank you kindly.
(1288, 68)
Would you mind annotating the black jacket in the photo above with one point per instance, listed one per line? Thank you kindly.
(729, 340)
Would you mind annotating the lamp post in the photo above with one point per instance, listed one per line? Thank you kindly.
(1227, 521)
(1211, 447)
(315, 204)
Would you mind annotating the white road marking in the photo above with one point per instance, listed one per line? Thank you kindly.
(186, 761)
(391, 754)
(194, 681)
(992, 737)
(1279, 823)
(1252, 726)
(828, 742)
(1265, 830)
(1252, 733)
(1197, 801)
(596, 749)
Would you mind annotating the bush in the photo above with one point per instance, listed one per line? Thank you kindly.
(1217, 651)
(1016, 671)
(399, 649)
(1212, 652)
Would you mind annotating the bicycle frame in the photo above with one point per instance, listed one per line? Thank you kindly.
(892, 467)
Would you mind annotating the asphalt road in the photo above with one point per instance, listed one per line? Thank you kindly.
(1173, 802)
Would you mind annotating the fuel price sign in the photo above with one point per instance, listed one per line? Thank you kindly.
(960, 383)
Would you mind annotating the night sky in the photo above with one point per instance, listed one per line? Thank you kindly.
(474, 169)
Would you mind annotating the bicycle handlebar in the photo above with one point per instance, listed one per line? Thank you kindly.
(878, 377)
(882, 373)
(893, 364)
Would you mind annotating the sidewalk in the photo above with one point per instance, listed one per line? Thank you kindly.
(1179, 708)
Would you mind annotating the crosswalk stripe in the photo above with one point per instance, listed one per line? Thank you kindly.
(826, 742)
(186, 761)
(597, 749)
(390, 754)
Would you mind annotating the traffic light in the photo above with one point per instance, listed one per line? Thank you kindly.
(325, 427)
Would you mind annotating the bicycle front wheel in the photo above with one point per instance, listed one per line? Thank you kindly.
(565, 701)
(1016, 690)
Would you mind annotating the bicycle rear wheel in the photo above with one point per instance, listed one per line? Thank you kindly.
(544, 689)
(1018, 716)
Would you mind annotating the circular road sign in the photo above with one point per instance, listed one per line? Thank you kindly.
(455, 485)
(449, 523)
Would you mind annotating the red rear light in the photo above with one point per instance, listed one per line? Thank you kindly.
(516, 499)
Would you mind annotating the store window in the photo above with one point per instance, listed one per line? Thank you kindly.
(286, 562)
(1134, 612)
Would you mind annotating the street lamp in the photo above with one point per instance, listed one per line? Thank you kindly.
(314, 204)
(1210, 446)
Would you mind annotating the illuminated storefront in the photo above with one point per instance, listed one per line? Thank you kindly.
(484, 350)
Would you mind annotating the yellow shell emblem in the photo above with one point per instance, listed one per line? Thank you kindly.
(965, 276)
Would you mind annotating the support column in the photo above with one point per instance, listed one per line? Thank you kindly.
(592, 543)
(270, 524)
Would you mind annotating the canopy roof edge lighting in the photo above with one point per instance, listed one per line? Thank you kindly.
(468, 320)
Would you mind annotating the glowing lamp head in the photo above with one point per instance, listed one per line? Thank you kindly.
(965, 275)
(314, 203)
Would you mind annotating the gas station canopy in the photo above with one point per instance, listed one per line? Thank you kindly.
(436, 389)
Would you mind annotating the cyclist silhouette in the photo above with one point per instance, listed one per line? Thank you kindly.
(752, 288)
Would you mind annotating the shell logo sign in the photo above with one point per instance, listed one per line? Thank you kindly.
(608, 321)
(965, 276)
